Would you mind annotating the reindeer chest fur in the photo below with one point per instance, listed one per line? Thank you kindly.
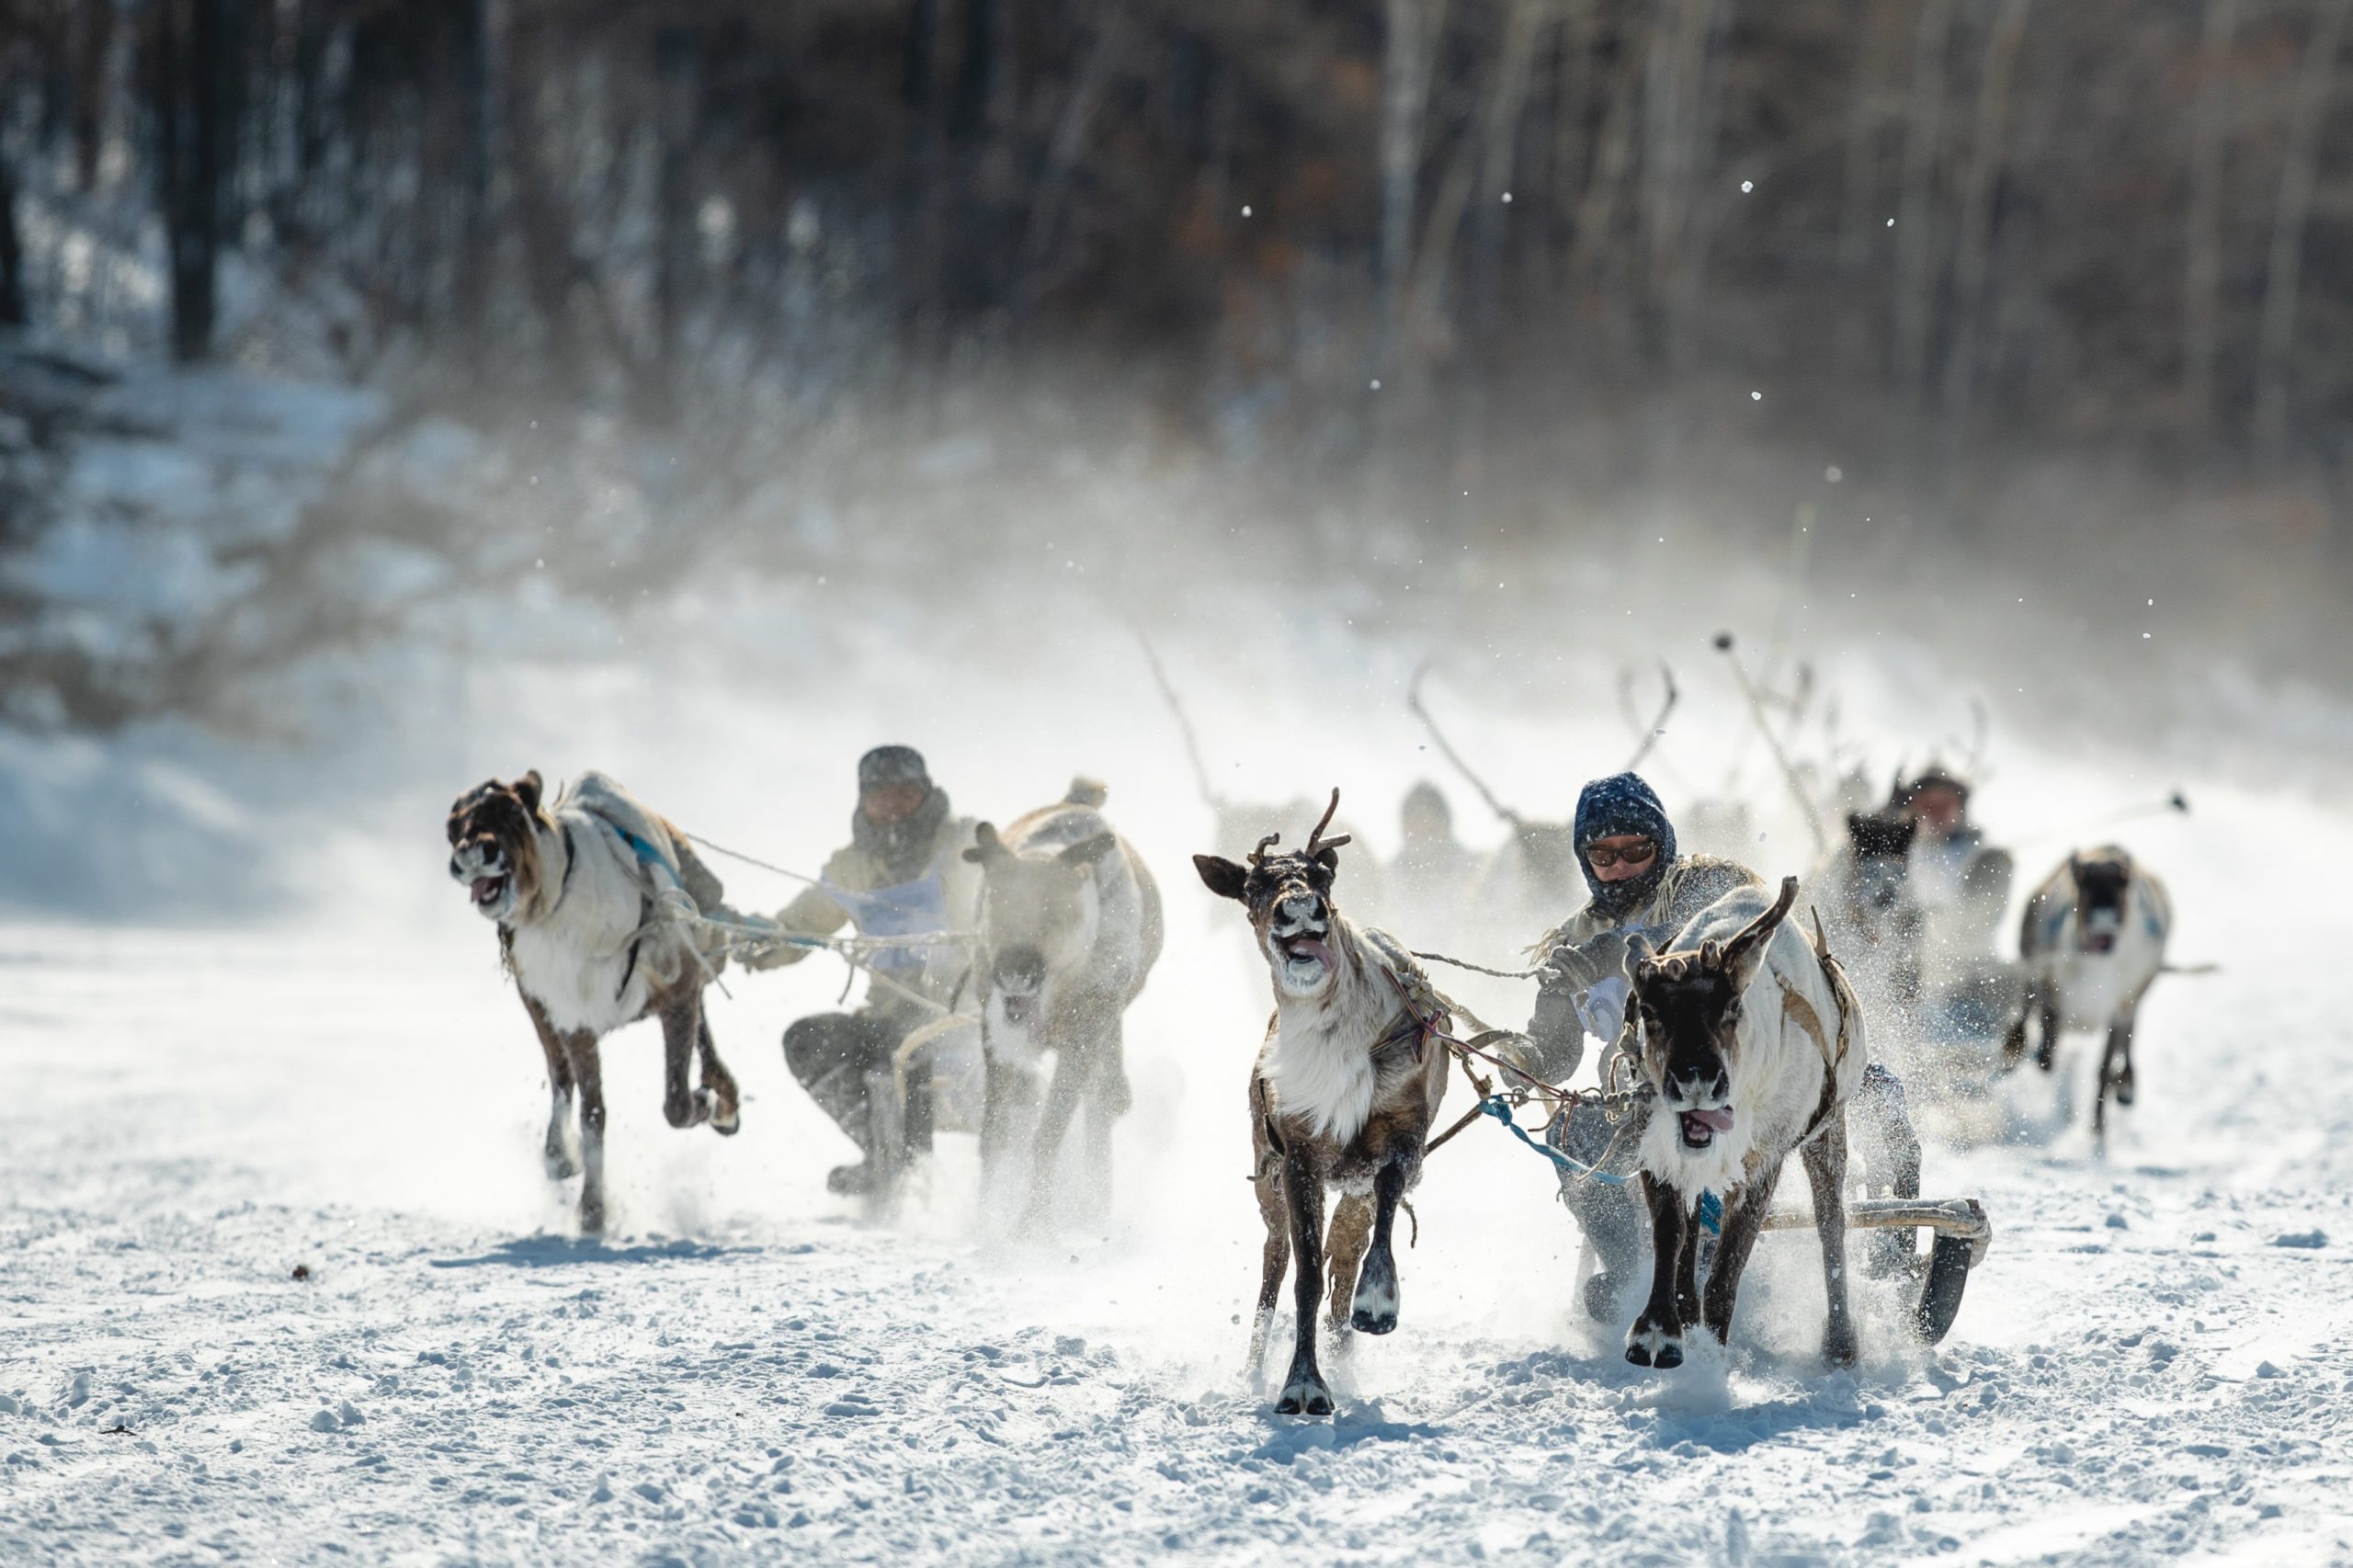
(575, 959)
(1318, 1060)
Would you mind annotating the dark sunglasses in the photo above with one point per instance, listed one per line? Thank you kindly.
(1634, 854)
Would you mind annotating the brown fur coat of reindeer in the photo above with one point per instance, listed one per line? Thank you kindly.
(1754, 1043)
(595, 939)
(1342, 1096)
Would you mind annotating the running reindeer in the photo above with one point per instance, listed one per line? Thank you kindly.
(2092, 942)
(597, 904)
(1753, 1042)
(1874, 913)
(1342, 1096)
(1070, 925)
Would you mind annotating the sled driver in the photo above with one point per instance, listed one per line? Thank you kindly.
(1625, 847)
(902, 873)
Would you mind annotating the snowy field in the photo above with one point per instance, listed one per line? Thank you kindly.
(744, 1370)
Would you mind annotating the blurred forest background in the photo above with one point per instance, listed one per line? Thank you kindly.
(2033, 287)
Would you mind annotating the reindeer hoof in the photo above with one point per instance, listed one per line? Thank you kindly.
(592, 1217)
(2124, 1087)
(1838, 1348)
(728, 1124)
(560, 1165)
(1653, 1347)
(1375, 1309)
(1305, 1396)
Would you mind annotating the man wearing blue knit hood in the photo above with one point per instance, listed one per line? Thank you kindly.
(1625, 847)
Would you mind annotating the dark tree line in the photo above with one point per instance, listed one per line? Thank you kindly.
(1975, 218)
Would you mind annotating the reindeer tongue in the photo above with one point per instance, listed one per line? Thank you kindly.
(1721, 1121)
(1308, 947)
(483, 888)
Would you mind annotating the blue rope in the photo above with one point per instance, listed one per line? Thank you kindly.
(1712, 1208)
(1495, 1105)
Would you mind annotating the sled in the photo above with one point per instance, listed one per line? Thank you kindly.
(1960, 1235)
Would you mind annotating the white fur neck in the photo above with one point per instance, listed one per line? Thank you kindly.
(1319, 1058)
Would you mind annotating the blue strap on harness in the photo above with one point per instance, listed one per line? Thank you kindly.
(1712, 1208)
(1495, 1105)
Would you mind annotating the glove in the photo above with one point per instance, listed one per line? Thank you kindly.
(780, 956)
(1579, 968)
(1602, 1008)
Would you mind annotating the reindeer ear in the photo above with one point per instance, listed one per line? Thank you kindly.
(1712, 955)
(526, 789)
(1329, 855)
(1088, 851)
(1746, 950)
(986, 846)
(1221, 876)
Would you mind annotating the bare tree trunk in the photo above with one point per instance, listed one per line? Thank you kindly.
(677, 59)
(1867, 114)
(1974, 243)
(1915, 252)
(2209, 129)
(1612, 158)
(191, 63)
(1572, 105)
(1482, 163)
(12, 253)
(473, 91)
(1676, 118)
(1414, 27)
(2284, 275)
(1072, 128)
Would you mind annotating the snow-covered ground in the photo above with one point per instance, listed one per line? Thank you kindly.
(745, 1369)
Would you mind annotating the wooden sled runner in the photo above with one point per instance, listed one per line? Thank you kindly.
(1961, 1234)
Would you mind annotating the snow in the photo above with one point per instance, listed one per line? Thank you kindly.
(2151, 1365)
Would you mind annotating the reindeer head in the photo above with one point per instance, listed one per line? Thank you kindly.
(2102, 880)
(1690, 1007)
(494, 846)
(1288, 898)
(1039, 912)
(1881, 845)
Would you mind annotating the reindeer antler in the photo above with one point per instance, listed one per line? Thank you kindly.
(1258, 856)
(1315, 840)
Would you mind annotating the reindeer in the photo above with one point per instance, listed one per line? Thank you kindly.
(1069, 927)
(1875, 915)
(2092, 942)
(1342, 1095)
(1754, 1043)
(597, 904)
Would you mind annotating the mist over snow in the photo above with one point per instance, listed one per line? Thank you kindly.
(251, 1024)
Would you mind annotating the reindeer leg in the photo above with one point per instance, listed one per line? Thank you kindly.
(1006, 1112)
(1344, 1246)
(1107, 1100)
(1826, 1169)
(1376, 1299)
(726, 1115)
(1656, 1338)
(2119, 1049)
(556, 1155)
(2014, 1042)
(1304, 1393)
(1274, 1208)
(2047, 1050)
(2099, 1092)
(1074, 1067)
(588, 1073)
(681, 1020)
(1744, 1222)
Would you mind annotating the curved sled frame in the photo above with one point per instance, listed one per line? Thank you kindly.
(1961, 1232)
